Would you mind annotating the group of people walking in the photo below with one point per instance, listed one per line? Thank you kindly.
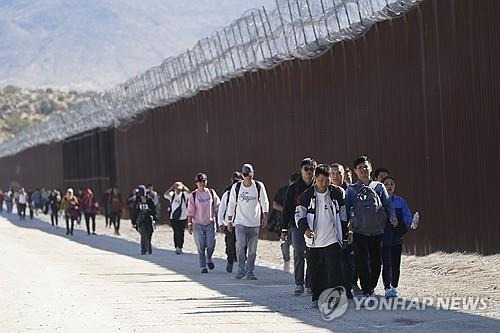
(341, 232)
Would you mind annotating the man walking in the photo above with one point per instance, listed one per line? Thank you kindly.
(247, 213)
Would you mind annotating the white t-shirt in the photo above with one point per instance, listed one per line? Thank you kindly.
(222, 209)
(176, 200)
(22, 199)
(325, 233)
(248, 208)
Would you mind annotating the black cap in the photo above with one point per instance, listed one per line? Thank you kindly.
(200, 177)
(308, 161)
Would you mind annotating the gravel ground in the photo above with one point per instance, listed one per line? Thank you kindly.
(51, 282)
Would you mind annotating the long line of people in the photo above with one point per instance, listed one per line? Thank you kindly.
(341, 232)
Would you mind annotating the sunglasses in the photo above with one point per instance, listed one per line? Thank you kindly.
(309, 168)
(246, 174)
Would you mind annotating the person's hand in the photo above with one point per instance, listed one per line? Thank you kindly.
(350, 237)
(263, 222)
(284, 236)
(221, 228)
(230, 226)
(394, 221)
(190, 228)
(309, 233)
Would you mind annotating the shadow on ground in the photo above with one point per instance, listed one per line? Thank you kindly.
(272, 292)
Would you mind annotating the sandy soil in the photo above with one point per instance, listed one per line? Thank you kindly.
(50, 282)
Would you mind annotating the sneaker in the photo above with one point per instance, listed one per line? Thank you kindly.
(229, 267)
(240, 276)
(367, 300)
(177, 250)
(395, 292)
(286, 266)
(251, 276)
(389, 293)
(356, 290)
(210, 265)
(180, 251)
(309, 291)
(299, 290)
(314, 305)
(204, 271)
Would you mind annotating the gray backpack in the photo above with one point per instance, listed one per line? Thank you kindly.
(369, 214)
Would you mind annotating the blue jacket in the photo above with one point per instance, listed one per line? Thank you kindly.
(404, 216)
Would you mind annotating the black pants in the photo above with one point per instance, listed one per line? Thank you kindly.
(89, 217)
(349, 267)
(179, 227)
(114, 219)
(368, 260)
(69, 227)
(22, 211)
(54, 218)
(391, 263)
(131, 213)
(146, 231)
(106, 216)
(230, 240)
(325, 268)
(31, 212)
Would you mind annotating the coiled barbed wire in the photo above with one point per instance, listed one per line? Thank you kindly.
(259, 39)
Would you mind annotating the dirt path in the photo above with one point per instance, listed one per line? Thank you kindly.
(49, 282)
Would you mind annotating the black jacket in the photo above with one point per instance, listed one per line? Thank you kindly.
(292, 199)
(145, 212)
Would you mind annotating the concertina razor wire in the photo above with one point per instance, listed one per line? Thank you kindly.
(259, 39)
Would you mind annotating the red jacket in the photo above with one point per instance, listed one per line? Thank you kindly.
(89, 205)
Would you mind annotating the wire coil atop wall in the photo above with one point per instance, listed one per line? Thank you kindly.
(260, 39)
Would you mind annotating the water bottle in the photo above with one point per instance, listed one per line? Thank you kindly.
(415, 220)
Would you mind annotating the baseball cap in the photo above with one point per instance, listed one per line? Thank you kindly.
(308, 161)
(247, 169)
(200, 177)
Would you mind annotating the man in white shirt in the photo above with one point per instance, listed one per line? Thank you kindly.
(247, 213)
(318, 217)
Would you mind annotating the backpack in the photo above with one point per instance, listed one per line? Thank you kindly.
(369, 213)
(237, 189)
(212, 196)
(176, 215)
(74, 210)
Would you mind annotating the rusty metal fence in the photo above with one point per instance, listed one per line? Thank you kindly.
(418, 94)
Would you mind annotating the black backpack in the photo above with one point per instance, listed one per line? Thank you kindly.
(369, 213)
(178, 211)
(237, 189)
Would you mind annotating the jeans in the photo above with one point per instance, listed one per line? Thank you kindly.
(246, 240)
(285, 249)
(9, 207)
(391, 262)
(299, 258)
(146, 231)
(178, 226)
(204, 237)
(368, 260)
